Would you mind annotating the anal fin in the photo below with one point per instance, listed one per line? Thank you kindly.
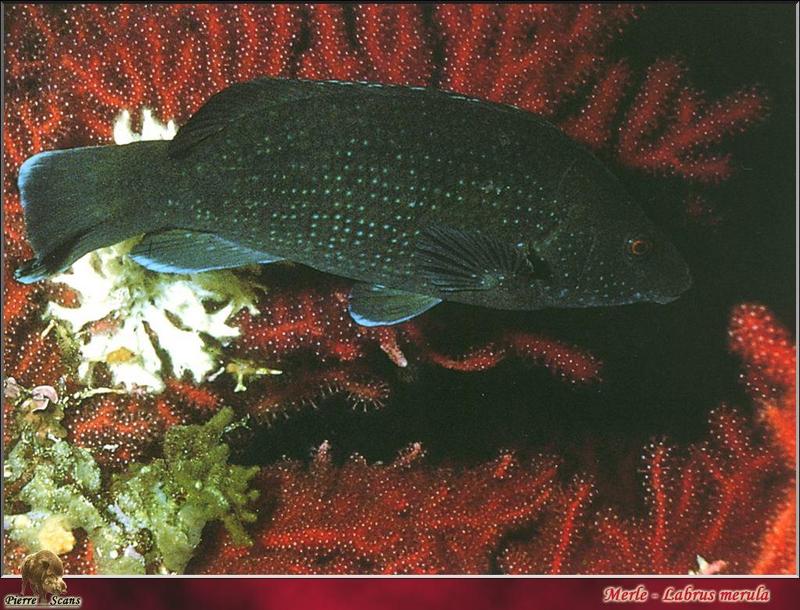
(183, 251)
(373, 305)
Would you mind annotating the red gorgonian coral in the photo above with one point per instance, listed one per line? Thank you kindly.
(729, 500)
(771, 378)
(397, 518)
(72, 69)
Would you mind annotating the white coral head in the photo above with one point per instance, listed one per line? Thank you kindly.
(152, 128)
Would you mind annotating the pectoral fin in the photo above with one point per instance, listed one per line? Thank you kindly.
(181, 251)
(453, 260)
(373, 305)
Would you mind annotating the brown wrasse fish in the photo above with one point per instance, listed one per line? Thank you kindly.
(419, 195)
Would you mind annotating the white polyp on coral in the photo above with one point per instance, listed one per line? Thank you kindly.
(120, 301)
(152, 128)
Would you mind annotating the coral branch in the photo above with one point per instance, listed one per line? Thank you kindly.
(771, 377)
(282, 397)
(393, 519)
(668, 128)
(766, 348)
(714, 502)
(532, 56)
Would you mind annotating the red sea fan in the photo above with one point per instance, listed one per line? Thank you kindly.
(120, 430)
(669, 126)
(771, 378)
(492, 54)
(730, 500)
(398, 518)
(725, 505)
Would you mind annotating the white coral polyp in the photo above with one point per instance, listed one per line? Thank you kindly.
(152, 129)
(128, 299)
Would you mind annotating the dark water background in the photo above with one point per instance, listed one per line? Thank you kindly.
(667, 366)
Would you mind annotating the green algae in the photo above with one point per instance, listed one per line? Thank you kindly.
(147, 519)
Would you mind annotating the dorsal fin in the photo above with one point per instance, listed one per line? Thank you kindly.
(242, 99)
(234, 104)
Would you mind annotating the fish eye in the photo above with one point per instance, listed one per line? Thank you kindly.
(639, 247)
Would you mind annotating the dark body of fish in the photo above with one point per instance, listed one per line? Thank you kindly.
(420, 195)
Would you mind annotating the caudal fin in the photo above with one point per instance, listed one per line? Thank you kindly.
(75, 201)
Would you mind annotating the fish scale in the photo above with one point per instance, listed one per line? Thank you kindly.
(381, 180)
